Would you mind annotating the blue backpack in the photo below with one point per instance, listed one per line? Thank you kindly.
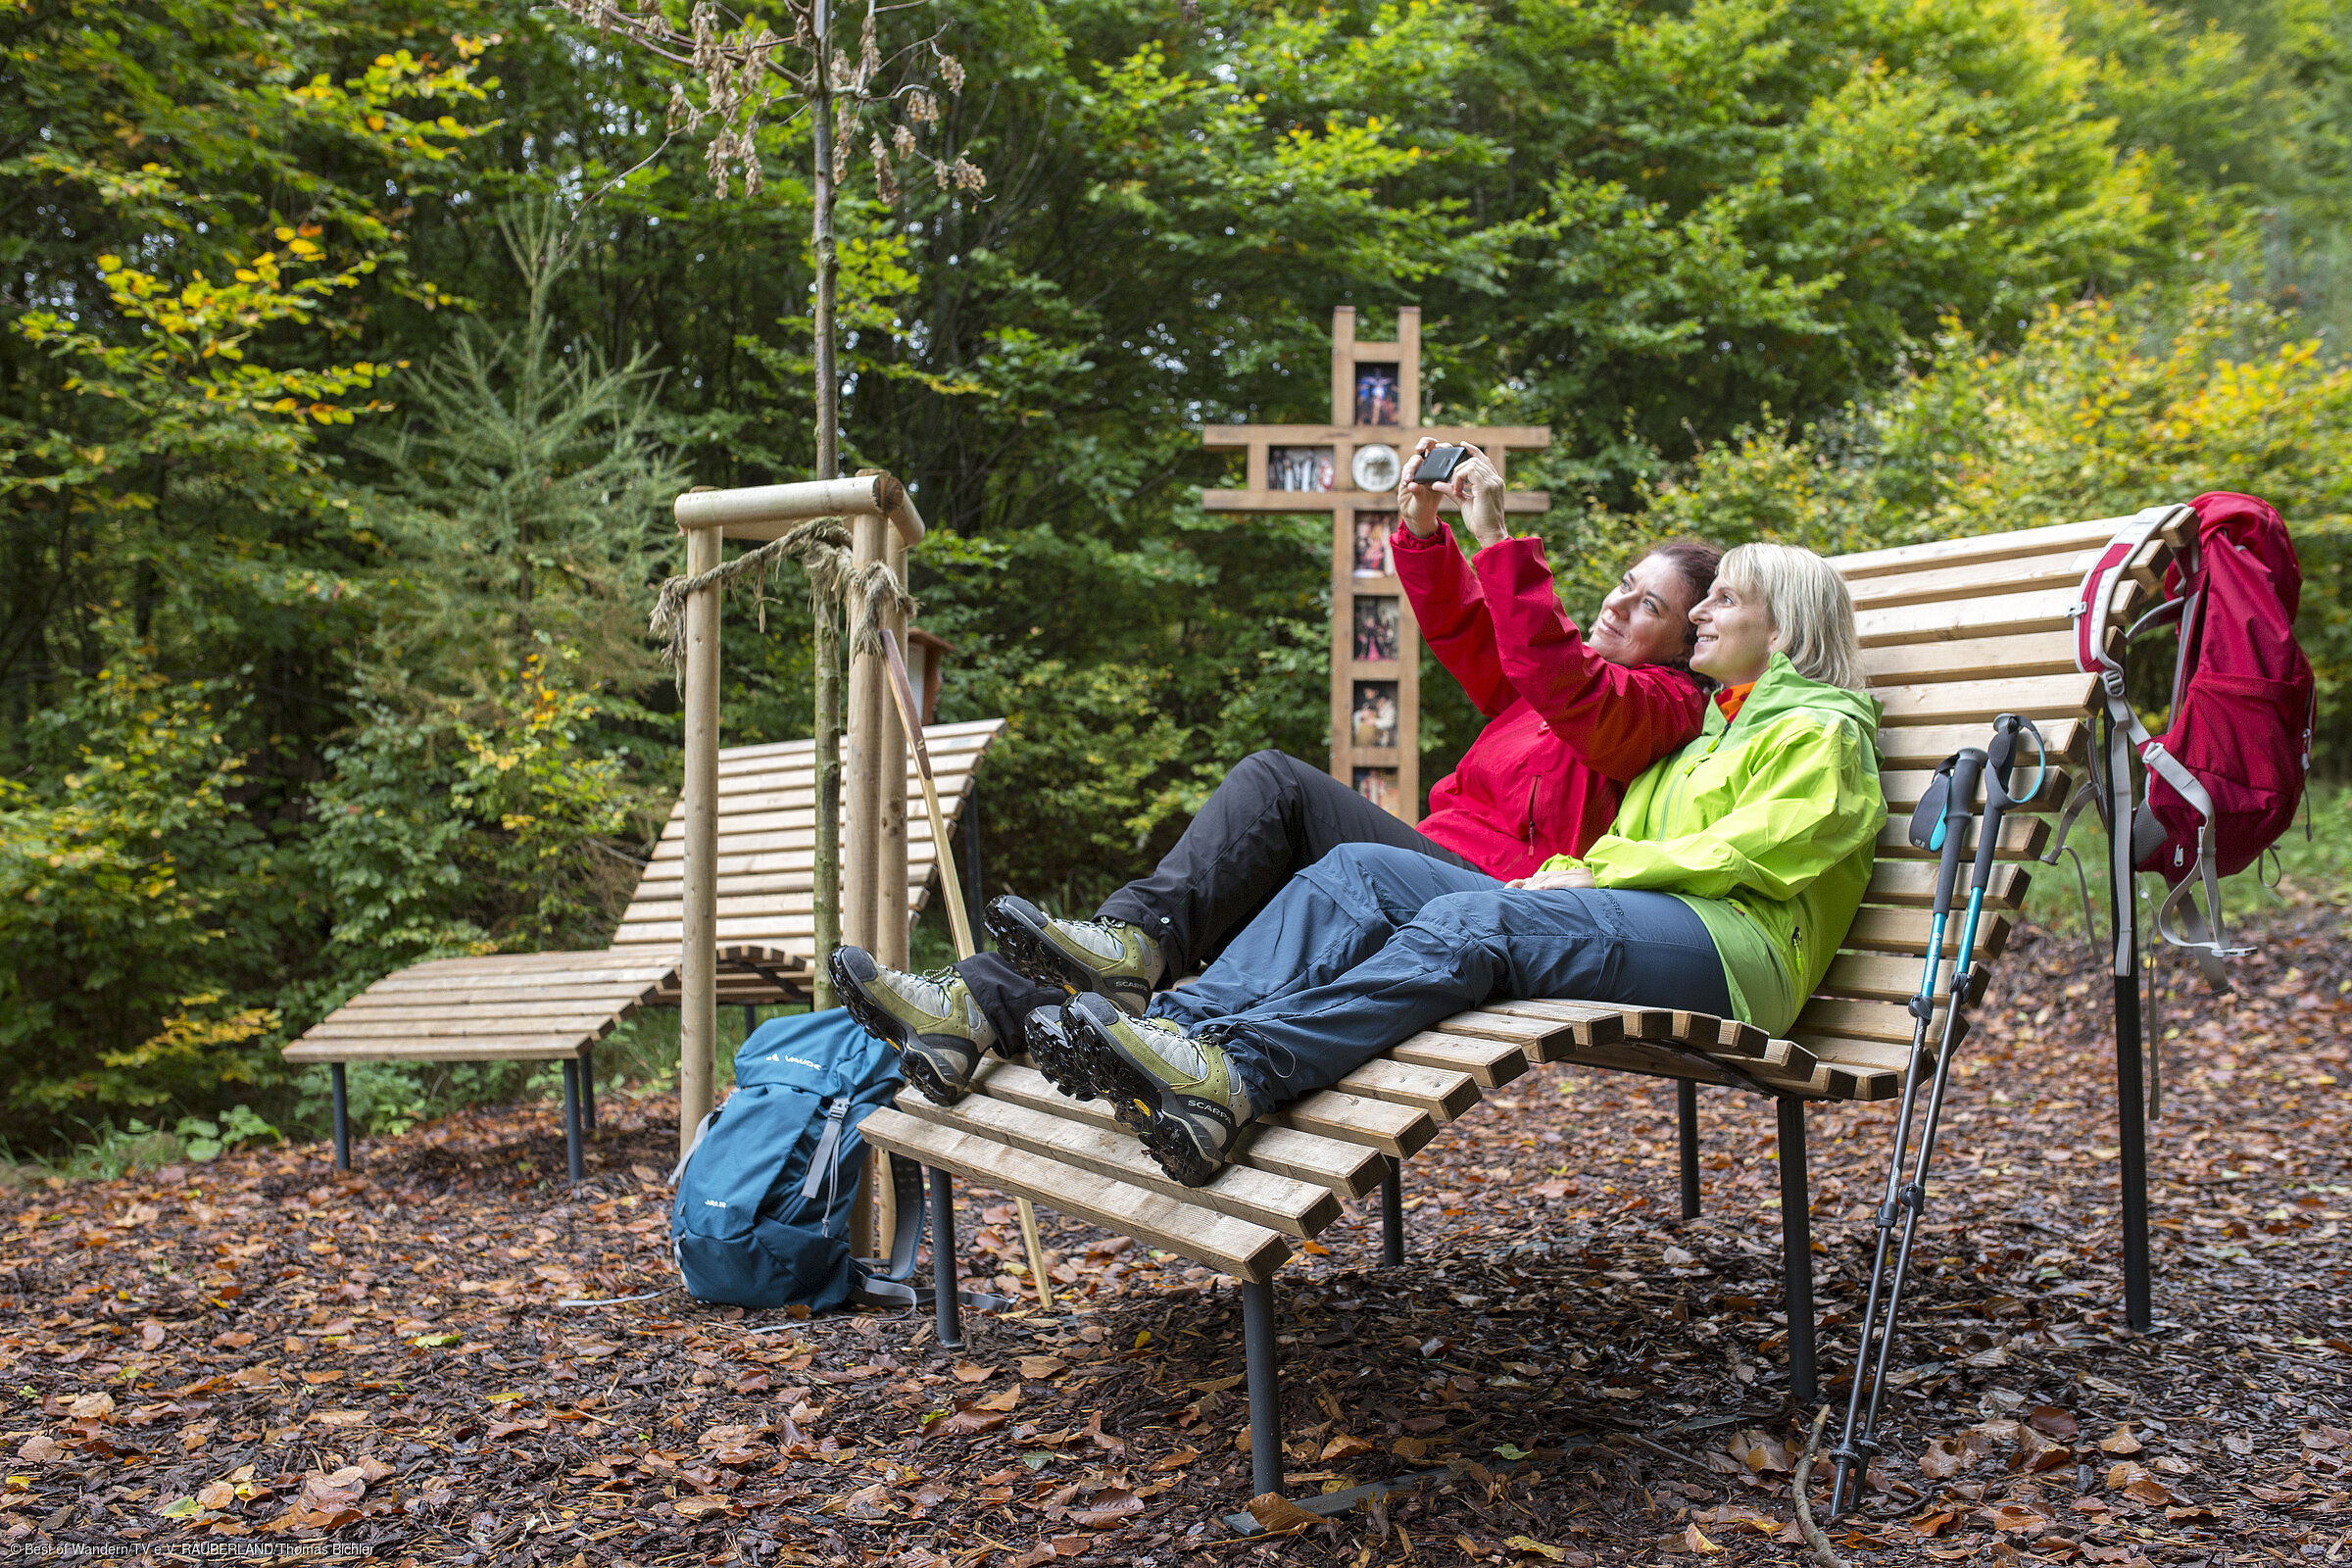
(762, 1212)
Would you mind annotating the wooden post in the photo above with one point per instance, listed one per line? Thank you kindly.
(862, 820)
(862, 823)
(891, 925)
(698, 982)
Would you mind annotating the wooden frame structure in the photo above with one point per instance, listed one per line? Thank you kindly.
(883, 525)
(1367, 602)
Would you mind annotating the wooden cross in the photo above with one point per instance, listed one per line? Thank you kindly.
(1349, 467)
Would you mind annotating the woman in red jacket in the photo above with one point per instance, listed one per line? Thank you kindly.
(1575, 717)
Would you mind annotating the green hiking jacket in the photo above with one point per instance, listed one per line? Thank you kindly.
(1767, 827)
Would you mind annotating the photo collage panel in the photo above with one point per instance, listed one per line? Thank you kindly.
(1378, 626)
(1373, 721)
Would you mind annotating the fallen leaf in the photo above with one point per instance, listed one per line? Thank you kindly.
(1692, 1540)
(1002, 1400)
(1533, 1548)
(967, 1421)
(1927, 1525)
(2121, 1440)
(2057, 1423)
(1106, 1509)
(2190, 1513)
(219, 1494)
(1177, 1460)
(2149, 1491)
(2014, 1520)
(1944, 1459)
(1277, 1516)
(91, 1406)
(1040, 1368)
(972, 1372)
(1347, 1446)
(705, 1507)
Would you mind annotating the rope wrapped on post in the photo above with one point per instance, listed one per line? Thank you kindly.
(821, 548)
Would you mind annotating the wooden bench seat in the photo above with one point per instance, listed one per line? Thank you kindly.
(1953, 632)
(554, 1007)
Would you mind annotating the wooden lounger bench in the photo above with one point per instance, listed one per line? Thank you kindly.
(554, 1007)
(1953, 632)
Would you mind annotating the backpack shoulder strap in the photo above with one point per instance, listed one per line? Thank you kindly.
(2094, 606)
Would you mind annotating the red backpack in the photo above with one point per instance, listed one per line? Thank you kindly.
(2224, 779)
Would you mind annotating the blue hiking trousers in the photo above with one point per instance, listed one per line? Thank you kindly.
(1372, 943)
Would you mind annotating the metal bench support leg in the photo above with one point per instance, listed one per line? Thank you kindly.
(1392, 1218)
(588, 1090)
(1686, 1113)
(334, 1071)
(571, 1120)
(947, 1311)
(1796, 1249)
(2130, 1106)
(1265, 1387)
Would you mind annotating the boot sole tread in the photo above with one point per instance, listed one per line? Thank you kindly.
(914, 1059)
(1033, 952)
(1130, 1092)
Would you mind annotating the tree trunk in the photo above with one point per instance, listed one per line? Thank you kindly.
(825, 897)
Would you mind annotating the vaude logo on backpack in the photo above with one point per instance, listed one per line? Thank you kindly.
(2224, 779)
(763, 1195)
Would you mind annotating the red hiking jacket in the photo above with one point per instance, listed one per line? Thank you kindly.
(1569, 730)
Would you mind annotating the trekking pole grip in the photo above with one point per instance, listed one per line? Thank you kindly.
(1959, 804)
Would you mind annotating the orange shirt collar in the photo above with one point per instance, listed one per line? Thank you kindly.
(1729, 699)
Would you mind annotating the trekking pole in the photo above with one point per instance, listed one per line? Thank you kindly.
(1912, 1197)
(1939, 823)
(958, 920)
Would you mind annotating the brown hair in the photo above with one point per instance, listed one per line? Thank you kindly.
(1694, 562)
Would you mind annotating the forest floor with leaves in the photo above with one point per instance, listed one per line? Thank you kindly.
(255, 1357)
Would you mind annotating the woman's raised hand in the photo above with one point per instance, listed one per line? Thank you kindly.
(1417, 503)
(1479, 488)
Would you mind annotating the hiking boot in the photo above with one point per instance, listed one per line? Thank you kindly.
(939, 1030)
(1108, 958)
(1174, 1090)
(1060, 1058)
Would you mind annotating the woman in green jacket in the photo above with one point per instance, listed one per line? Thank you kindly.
(1724, 884)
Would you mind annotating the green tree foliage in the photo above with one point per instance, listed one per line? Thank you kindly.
(140, 905)
(306, 436)
(2106, 405)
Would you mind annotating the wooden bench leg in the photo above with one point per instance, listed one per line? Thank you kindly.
(947, 1311)
(1796, 1249)
(334, 1071)
(1686, 1110)
(1265, 1387)
(1392, 1217)
(588, 1090)
(571, 1120)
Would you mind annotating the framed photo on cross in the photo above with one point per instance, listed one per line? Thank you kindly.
(1350, 468)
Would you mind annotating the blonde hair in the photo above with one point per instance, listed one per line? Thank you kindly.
(1809, 607)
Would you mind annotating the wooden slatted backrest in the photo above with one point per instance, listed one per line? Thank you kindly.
(767, 847)
(1954, 633)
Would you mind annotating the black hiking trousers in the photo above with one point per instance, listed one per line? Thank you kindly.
(1271, 818)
